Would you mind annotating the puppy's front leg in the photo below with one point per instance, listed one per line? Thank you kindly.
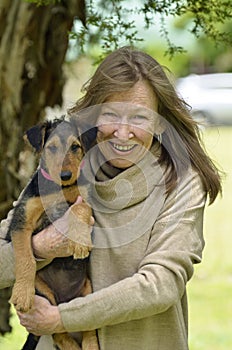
(25, 265)
(79, 230)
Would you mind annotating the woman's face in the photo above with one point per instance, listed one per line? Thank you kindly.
(126, 125)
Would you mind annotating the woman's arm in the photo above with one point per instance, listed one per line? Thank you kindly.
(176, 243)
(159, 284)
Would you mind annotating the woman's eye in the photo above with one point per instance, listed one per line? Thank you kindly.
(138, 118)
(74, 147)
(108, 117)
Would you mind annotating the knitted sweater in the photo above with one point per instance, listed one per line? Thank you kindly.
(145, 246)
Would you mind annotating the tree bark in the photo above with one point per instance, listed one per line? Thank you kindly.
(33, 45)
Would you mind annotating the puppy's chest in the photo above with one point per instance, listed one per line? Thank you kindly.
(55, 205)
(50, 215)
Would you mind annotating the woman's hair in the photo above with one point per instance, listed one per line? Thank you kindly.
(118, 72)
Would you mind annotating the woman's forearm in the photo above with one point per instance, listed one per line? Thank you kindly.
(130, 299)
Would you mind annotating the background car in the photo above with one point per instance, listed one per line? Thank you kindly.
(209, 95)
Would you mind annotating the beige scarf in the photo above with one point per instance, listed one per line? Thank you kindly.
(125, 203)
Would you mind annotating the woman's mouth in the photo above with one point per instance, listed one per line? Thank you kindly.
(122, 148)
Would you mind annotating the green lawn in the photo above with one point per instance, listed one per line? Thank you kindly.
(210, 291)
(16, 339)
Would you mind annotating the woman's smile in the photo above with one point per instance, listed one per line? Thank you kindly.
(120, 154)
(124, 148)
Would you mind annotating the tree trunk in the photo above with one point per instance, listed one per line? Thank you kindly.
(33, 44)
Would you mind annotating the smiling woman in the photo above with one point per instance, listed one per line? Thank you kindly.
(148, 195)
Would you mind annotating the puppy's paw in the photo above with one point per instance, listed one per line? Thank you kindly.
(22, 297)
(79, 251)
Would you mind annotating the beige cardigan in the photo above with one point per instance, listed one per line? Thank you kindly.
(145, 246)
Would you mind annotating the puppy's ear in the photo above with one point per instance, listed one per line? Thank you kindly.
(88, 138)
(36, 136)
(86, 132)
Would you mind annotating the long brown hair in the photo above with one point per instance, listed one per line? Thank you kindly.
(118, 72)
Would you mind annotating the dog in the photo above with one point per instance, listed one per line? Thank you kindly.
(50, 192)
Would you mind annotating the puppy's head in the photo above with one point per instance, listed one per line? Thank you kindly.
(61, 150)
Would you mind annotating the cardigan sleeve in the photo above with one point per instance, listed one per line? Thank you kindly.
(7, 274)
(6, 255)
(176, 243)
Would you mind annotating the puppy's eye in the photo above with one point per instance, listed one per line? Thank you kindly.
(52, 148)
(74, 147)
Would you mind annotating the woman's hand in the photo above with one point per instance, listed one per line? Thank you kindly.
(51, 243)
(42, 319)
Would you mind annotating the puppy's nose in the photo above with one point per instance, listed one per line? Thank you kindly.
(65, 175)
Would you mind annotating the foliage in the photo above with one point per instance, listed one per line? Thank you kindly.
(43, 2)
(111, 23)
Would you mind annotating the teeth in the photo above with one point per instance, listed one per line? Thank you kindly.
(123, 148)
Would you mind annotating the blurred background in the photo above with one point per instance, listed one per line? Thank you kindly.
(43, 65)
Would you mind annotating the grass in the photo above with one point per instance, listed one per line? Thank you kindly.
(15, 339)
(209, 292)
(210, 301)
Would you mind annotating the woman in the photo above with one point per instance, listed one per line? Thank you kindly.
(149, 181)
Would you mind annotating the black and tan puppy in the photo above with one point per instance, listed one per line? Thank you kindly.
(52, 189)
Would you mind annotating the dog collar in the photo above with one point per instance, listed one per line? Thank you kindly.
(45, 174)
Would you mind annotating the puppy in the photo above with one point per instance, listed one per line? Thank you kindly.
(51, 191)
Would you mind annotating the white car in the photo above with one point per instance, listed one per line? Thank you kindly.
(209, 95)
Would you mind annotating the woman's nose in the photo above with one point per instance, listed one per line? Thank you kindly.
(123, 131)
